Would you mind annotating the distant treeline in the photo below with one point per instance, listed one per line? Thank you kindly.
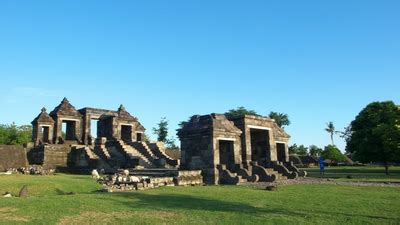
(11, 134)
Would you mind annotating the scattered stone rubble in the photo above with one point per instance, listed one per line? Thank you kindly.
(32, 170)
(122, 182)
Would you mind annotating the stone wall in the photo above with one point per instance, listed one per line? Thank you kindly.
(56, 156)
(12, 156)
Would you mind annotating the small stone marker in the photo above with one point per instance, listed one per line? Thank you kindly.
(271, 188)
(7, 195)
(23, 193)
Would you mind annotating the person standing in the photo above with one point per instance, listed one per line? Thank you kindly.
(322, 165)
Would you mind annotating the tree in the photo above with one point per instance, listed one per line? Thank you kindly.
(331, 130)
(13, 134)
(293, 149)
(346, 134)
(302, 150)
(240, 111)
(281, 119)
(162, 130)
(315, 151)
(375, 134)
(333, 153)
(146, 138)
(298, 150)
(171, 143)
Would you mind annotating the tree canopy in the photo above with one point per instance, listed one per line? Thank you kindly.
(161, 130)
(375, 134)
(281, 119)
(11, 134)
(298, 150)
(240, 111)
(162, 134)
(315, 150)
(333, 153)
(330, 128)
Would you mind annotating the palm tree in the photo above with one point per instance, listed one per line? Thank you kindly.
(281, 119)
(331, 130)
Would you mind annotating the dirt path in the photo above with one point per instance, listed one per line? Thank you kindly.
(323, 181)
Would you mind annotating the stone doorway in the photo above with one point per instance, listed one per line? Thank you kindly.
(93, 128)
(281, 150)
(259, 145)
(45, 134)
(68, 130)
(139, 136)
(126, 133)
(226, 153)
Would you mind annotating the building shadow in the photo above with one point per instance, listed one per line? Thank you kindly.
(186, 202)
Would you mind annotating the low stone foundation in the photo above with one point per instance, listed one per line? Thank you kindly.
(188, 178)
(122, 182)
(31, 170)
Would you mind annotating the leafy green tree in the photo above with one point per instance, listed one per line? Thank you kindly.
(171, 143)
(298, 150)
(293, 149)
(281, 119)
(345, 134)
(375, 134)
(240, 111)
(333, 153)
(146, 137)
(13, 134)
(314, 150)
(331, 130)
(162, 130)
(302, 150)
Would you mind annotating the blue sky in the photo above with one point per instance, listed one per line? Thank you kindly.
(317, 61)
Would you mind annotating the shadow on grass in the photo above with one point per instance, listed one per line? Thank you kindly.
(335, 214)
(186, 202)
(141, 200)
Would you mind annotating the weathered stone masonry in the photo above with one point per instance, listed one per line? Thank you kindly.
(119, 141)
(242, 149)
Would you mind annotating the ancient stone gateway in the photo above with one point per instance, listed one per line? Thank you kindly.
(63, 138)
(241, 149)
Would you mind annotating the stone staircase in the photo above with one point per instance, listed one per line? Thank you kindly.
(134, 154)
(158, 150)
(90, 154)
(249, 172)
(118, 158)
(279, 177)
(145, 150)
(291, 167)
(101, 150)
(228, 177)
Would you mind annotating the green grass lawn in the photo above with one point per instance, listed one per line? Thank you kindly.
(296, 204)
(362, 173)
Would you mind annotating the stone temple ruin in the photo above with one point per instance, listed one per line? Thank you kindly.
(62, 138)
(214, 149)
(236, 150)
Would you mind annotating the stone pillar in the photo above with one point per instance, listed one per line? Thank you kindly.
(247, 143)
(86, 131)
(272, 147)
(78, 130)
(116, 128)
(287, 151)
(57, 130)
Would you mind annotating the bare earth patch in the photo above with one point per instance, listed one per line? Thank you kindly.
(328, 181)
(7, 214)
(92, 217)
